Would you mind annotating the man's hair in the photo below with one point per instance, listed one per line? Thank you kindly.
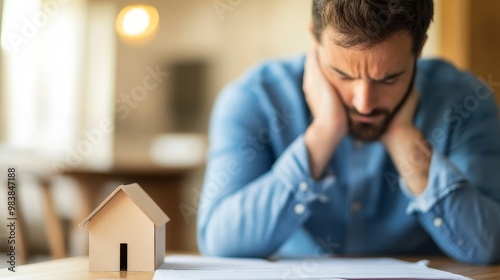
(364, 23)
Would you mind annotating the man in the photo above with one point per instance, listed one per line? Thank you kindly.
(356, 149)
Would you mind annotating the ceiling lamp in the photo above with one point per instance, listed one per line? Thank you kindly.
(137, 22)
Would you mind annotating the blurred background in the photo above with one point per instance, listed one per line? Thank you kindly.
(96, 93)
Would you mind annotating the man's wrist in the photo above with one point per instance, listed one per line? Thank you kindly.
(396, 134)
(321, 139)
(411, 155)
(323, 136)
(328, 128)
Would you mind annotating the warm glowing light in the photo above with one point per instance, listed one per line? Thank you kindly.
(137, 22)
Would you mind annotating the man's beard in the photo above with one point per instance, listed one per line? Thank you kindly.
(373, 131)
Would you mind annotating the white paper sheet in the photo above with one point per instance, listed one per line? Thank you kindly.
(197, 267)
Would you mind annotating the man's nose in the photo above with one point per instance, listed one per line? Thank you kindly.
(364, 100)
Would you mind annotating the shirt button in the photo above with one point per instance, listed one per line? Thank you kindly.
(438, 222)
(356, 206)
(299, 209)
(303, 186)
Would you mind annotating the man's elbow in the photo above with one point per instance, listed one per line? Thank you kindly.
(218, 244)
(225, 249)
(487, 255)
(210, 243)
(221, 251)
(209, 247)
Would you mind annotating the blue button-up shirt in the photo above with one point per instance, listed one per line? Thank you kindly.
(259, 198)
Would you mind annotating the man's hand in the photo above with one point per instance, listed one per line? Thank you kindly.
(329, 125)
(407, 146)
(403, 120)
(325, 104)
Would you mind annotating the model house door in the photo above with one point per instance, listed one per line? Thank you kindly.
(123, 256)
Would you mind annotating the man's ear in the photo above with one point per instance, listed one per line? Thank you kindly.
(422, 46)
(312, 35)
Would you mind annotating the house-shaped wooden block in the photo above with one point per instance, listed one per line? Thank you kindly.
(126, 232)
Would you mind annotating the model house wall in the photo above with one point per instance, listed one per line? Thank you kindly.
(126, 232)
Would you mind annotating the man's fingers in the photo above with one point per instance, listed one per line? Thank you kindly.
(310, 59)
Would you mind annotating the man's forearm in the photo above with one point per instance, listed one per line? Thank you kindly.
(321, 140)
(412, 155)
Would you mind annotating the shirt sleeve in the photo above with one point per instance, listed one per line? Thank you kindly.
(461, 204)
(443, 178)
(252, 202)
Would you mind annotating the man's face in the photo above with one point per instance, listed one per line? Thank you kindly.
(371, 82)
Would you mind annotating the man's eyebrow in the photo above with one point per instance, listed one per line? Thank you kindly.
(341, 72)
(391, 76)
(387, 77)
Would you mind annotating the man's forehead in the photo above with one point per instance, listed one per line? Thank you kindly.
(391, 55)
(400, 41)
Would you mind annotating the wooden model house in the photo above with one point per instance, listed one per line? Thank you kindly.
(126, 232)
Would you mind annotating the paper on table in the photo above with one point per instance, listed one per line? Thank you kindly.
(197, 267)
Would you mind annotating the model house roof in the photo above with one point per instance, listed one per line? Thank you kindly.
(141, 199)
